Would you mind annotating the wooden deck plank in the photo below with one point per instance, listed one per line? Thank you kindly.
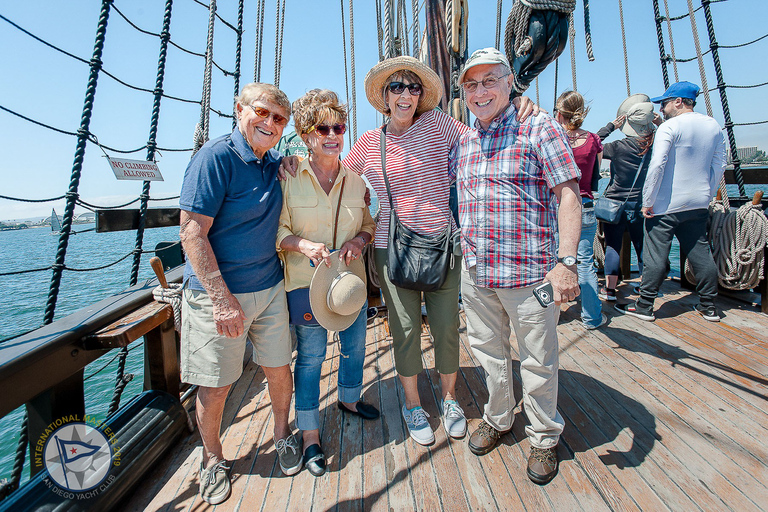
(663, 415)
(630, 432)
(695, 453)
(400, 490)
(374, 496)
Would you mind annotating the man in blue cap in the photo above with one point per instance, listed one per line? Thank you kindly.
(687, 164)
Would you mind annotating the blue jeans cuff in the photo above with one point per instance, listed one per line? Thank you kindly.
(308, 420)
(350, 395)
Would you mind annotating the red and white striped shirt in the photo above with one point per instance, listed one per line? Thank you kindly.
(417, 169)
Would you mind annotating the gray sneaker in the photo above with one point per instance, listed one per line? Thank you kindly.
(454, 419)
(418, 426)
(215, 486)
(289, 453)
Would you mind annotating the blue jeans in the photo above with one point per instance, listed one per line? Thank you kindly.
(311, 344)
(591, 307)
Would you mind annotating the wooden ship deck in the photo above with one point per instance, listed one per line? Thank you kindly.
(670, 415)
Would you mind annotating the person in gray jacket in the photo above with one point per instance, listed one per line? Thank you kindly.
(687, 164)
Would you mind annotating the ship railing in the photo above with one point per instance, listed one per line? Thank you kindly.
(44, 369)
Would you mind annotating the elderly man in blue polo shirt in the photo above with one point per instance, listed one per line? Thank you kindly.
(233, 282)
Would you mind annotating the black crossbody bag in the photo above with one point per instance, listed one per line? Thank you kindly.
(414, 261)
(610, 210)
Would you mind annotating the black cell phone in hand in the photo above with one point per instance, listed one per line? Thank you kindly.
(544, 294)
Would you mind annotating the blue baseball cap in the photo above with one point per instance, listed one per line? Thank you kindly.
(679, 90)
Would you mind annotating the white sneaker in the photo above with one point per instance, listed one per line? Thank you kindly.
(418, 426)
(454, 420)
(603, 321)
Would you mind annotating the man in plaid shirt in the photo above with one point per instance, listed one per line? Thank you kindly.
(517, 185)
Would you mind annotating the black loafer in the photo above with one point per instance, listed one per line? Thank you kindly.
(314, 459)
(364, 410)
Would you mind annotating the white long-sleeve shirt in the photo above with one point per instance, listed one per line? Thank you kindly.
(687, 163)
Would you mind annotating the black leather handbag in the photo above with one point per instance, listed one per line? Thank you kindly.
(414, 261)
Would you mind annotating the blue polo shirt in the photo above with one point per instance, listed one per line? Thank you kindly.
(226, 181)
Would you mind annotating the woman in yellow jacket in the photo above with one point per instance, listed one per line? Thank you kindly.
(323, 199)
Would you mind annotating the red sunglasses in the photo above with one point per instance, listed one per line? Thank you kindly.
(325, 130)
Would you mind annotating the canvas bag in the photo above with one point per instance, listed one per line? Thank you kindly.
(414, 261)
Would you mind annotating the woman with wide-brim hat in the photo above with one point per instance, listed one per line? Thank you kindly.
(324, 210)
(418, 143)
(637, 120)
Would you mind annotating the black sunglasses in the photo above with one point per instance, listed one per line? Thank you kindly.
(325, 130)
(399, 87)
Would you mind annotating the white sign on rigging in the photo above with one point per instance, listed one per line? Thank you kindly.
(142, 170)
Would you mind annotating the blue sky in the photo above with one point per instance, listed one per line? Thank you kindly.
(48, 86)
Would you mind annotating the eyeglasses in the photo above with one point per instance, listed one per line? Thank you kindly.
(488, 82)
(667, 102)
(264, 113)
(325, 130)
(399, 88)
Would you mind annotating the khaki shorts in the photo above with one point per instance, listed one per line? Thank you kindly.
(211, 360)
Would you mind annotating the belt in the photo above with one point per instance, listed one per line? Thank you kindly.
(588, 204)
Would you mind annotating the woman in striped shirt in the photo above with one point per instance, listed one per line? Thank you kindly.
(418, 142)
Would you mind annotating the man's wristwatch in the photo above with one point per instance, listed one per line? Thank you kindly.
(568, 261)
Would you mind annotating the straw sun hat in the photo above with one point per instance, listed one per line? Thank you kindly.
(432, 87)
(337, 294)
(639, 111)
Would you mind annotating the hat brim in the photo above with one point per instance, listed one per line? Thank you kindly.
(659, 99)
(318, 291)
(629, 102)
(432, 86)
(635, 130)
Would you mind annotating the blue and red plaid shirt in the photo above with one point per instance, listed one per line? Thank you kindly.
(505, 177)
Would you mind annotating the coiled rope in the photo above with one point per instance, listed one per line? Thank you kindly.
(738, 239)
(172, 296)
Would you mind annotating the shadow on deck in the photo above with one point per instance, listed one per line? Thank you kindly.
(665, 415)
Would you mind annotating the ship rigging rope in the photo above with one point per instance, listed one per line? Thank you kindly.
(190, 52)
(682, 16)
(671, 41)
(414, 26)
(73, 269)
(731, 46)
(279, 27)
(738, 239)
(572, 44)
(352, 67)
(84, 61)
(588, 32)
(498, 24)
(346, 69)
(225, 22)
(702, 71)
(202, 128)
(379, 31)
(624, 46)
(389, 46)
(259, 40)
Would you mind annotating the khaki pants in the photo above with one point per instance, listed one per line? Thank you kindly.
(492, 313)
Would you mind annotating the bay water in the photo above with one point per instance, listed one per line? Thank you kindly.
(23, 299)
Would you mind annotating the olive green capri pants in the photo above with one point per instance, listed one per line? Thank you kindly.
(404, 307)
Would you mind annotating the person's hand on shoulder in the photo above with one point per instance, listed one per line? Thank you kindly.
(565, 283)
(290, 165)
(525, 108)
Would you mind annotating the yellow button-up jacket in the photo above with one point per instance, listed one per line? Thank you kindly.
(308, 212)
